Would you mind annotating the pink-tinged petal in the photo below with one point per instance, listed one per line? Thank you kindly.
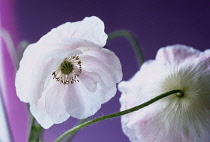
(107, 57)
(80, 102)
(90, 29)
(95, 84)
(90, 80)
(174, 54)
(106, 71)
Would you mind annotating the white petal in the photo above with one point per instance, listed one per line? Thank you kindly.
(80, 102)
(55, 107)
(90, 80)
(50, 108)
(106, 71)
(90, 29)
(106, 92)
(108, 58)
(40, 114)
(24, 76)
(95, 84)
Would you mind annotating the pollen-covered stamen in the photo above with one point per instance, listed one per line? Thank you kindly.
(69, 70)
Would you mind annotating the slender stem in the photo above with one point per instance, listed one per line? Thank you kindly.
(128, 35)
(113, 115)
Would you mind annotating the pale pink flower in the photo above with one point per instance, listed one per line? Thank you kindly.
(174, 118)
(68, 73)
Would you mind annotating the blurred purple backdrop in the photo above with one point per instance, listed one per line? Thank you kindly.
(155, 23)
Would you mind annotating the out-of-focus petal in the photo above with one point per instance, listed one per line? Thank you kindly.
(174, 54)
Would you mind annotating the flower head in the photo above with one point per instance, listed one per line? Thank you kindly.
(176, 118)
(68, 73)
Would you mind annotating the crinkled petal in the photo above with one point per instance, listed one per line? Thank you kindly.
(90, 29)
(108, 58)
(90, 80)
(106, 71)
(95, 84)
(106, 64)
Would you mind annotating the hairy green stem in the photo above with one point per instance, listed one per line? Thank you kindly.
(118, 113)
(128, 35)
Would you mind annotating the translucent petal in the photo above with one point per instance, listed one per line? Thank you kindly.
(54, 104)
(80, 102)
(90, 80)
(108, 58)
(106, 71)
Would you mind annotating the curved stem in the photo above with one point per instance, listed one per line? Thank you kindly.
(118, 113)
(128, 35)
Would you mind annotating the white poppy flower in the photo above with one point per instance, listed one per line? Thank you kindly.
(68, 73)
(174, 118)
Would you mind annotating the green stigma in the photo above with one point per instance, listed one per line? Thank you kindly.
(66, 67)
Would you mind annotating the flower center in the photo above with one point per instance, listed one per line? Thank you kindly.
(66, 67)
(69, 70)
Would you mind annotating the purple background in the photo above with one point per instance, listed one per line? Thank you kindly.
(155, 23)
(16, 110)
